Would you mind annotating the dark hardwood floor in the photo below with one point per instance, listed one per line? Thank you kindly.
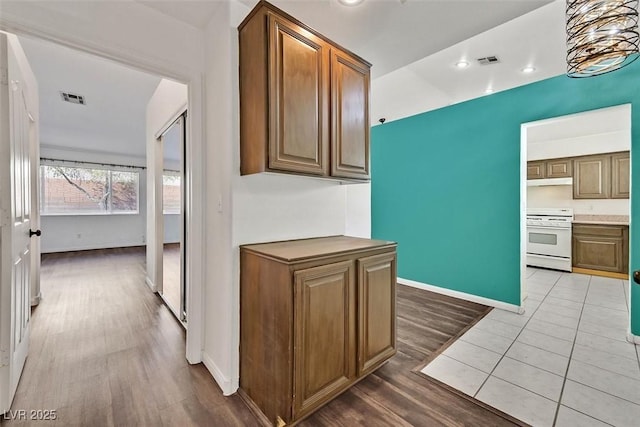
(106, 351)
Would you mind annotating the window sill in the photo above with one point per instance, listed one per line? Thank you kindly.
(89, 213)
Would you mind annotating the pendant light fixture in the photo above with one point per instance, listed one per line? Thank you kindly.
(602, 36)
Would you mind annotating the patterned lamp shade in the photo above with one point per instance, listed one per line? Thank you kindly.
(602, 36)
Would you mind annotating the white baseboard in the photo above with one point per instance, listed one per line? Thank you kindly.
(228, 387)
(462, 295)
(150, 284)
(90, 247)
(36, 300)
(635, 339)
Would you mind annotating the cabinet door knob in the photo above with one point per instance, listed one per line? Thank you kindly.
(36, 233)
(636, 276)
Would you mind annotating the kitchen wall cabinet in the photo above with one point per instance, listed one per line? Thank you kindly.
(601, 176)
(559, 168)
(536, 170)
(555, 168)
(316, 315)
(592, 177)
(601, 247)
(304, 101)
(620, 175)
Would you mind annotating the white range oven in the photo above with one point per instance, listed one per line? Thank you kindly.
(549, 238)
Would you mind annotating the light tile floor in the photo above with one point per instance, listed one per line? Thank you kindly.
(564, 362)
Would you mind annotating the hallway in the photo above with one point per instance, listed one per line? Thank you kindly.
(97, 358)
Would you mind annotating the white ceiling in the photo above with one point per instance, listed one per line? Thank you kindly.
(113, 118)
(388, 33)
(537, 38)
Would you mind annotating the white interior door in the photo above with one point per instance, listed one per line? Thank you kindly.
(16, 162)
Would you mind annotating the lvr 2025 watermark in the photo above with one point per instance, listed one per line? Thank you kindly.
(30, 415)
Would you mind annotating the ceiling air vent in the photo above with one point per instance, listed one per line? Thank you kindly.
(488, 60)
(73, 98)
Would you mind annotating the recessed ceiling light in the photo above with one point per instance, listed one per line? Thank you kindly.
(462, 64)
(528, 69)
(350, 2)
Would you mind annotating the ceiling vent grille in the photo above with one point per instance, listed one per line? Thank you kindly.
(73, 98)
(488, 60)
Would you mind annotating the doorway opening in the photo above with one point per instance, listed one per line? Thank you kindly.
(106, 174)
(575, 208)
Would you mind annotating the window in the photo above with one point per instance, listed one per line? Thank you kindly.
(171, 193)
(80, 190)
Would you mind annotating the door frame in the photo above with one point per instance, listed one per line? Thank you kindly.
(194, 172)
(524, 127)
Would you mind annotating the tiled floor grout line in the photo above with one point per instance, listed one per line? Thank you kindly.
(514, 341)
(573, 345)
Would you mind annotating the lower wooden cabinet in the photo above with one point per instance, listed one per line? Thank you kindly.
(316, 315)
(601, 247)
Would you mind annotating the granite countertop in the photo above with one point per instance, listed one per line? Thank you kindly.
(601, 219)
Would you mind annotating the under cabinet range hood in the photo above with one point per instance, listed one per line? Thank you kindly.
(549, 181)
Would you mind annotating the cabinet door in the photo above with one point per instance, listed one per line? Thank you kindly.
(324, 331)
(350, 117)
(298, 99)
(620, 175)
(535, 170)
(560, 168)
(376, 311)
(591, 177)
(598, 252)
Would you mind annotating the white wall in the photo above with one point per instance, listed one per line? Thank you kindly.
(561, 196)
(167, 102)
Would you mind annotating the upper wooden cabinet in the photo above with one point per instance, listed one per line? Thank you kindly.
(304, 101)
(592, 177)
(554, 168)
(620, 175)
(350, 116)
(299, 66)
(559, 168)
(536, 170)
(600, 176)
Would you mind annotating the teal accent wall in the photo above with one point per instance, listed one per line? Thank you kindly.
(446, 183)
